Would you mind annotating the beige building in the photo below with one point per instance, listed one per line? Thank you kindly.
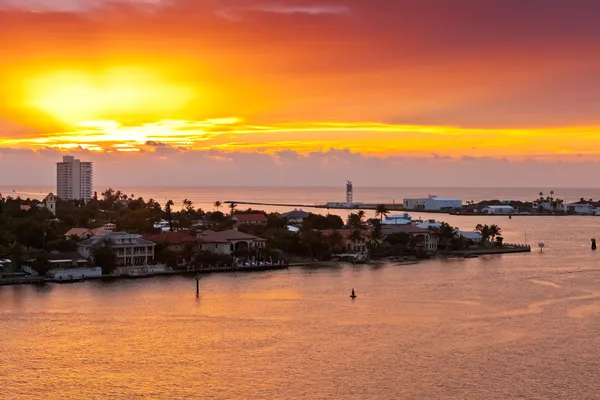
(74, 179)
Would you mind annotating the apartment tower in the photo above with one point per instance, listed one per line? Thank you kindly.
(74, 179)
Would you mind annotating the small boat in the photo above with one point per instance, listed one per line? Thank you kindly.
(353, 295)
(593, 243)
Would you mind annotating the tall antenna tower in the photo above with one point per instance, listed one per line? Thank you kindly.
(349, 192)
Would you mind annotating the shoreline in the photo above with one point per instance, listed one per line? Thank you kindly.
(36, 280)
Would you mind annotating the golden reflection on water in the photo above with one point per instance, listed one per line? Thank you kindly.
(504, 327)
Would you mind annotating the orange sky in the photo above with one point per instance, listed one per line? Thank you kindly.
(386, 79)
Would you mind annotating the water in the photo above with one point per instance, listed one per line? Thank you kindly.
(522, 326)
(204, 197)
(496, 327)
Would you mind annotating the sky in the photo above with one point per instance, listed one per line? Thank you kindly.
(302, 92)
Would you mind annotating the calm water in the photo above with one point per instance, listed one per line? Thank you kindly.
(206, 196)
(520, 326)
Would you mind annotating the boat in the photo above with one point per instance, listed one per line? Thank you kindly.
(353, 295)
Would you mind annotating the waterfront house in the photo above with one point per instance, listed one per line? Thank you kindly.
(250, 219)
(349, 243)
(425, 239)
(498, 210)
(67, 260)
(129, 249)
(474, 237)
(226, 242)
(581, 208)
(399, 219)
(295, 216)
(429, 224)
(84, 233)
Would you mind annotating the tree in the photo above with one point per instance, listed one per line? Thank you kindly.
(103, 256)
(232, 207)
(187, 206)
(217, 205)
(494, 231)
(169, 211)
(381, 211)
(335, 241)
(485, 232)
(355, 221)
(446, 233)
(40, 262)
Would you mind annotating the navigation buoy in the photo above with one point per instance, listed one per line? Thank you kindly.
(593, 243)
(353, 295)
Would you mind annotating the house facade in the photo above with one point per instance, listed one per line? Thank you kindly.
(580, 208)
(295, 216)
(129, 249)
(498, 210)
(425, 239)
(348, 243)
(227, 242)
(250, 219)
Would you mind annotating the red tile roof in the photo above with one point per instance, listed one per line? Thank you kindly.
(251, 218)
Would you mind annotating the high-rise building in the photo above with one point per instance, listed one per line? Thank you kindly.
(74, 179)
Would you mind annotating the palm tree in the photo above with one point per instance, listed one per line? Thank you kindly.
(354, 221)
(495, 231)
(232, 207)
(381, 211)
(169, 211)
(336, 241)
(361, 216)
(541, 196)
(188, 206)
(218, 204)
(446, 233)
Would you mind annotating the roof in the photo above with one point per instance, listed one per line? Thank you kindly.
(295, 214)
(412, 229)
(66, 257)
(171, 238)
(216, 237)
(79, 232)
(500, 207)
(579, 203)
(25, 207)
(250, 217)
(443, 199)
(115, 236)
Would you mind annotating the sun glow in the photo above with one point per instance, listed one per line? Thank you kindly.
(73, 97)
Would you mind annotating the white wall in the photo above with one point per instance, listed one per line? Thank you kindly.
(75, 273)
(439, 204)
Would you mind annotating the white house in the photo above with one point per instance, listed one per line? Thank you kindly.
(475, 237)
(498, 210)
(432, 223)
(434, 203)
(580, 208)
(130, 249)
(400, 219)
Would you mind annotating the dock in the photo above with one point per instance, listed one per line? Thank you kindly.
(390, 207)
